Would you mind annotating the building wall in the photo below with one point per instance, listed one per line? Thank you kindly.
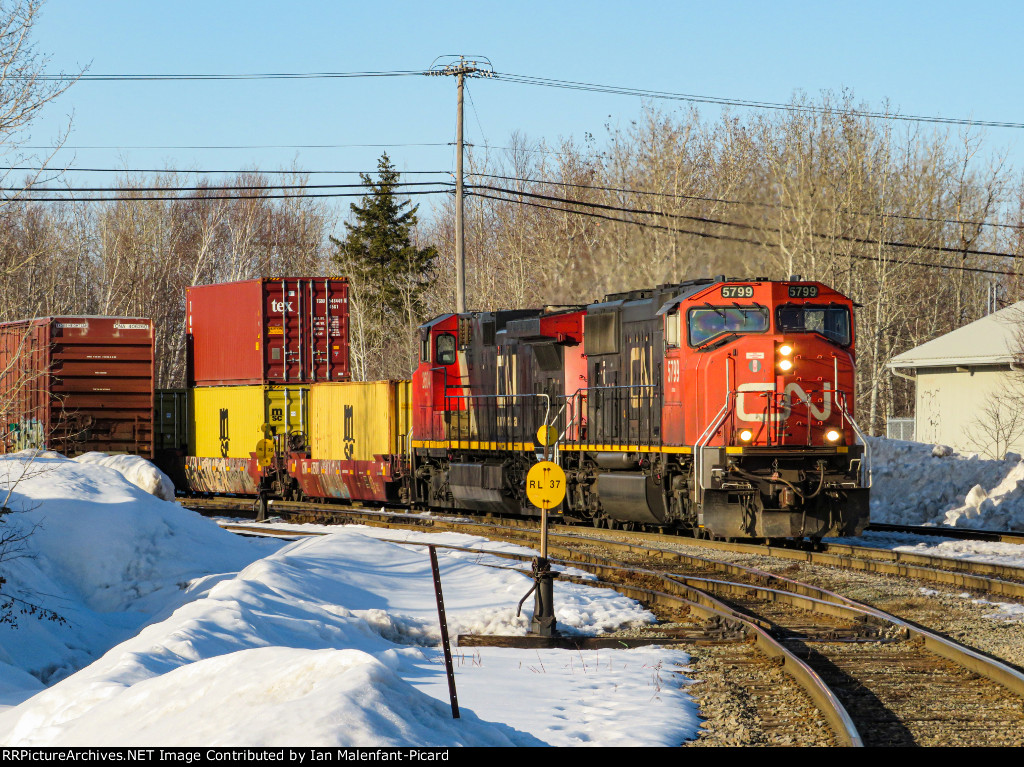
(975, 410)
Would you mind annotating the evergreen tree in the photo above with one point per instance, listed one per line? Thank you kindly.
(379, 244)
(389, 275)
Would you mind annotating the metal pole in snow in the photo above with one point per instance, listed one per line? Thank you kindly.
(449, 669)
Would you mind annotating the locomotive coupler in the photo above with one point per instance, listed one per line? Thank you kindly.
(543, 621)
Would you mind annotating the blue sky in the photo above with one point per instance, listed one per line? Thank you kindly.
(930, 58)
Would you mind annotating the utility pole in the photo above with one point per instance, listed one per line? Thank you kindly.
(461, 68)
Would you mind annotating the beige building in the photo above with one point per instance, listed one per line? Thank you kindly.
(970, 387)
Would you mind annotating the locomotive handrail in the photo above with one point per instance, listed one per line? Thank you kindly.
(707, 435)
(560, 437)
(863, 440)
(705, 438)
(575, 413)
(545, 397)
(584, 392)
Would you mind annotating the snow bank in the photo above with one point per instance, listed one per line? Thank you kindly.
(136, 470)
(921, 484)
(101, 553)
(327, 643)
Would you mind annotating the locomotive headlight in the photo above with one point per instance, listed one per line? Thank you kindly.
(832, 435)
(783, 352)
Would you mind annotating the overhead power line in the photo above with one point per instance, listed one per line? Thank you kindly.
(749, 103)
(210, 188)
(221, 76)
(751, 203)
(517, 179)
(547, 82)
(729, 238)
(248, 146)
(236, 171)
(739, 225)
(208, 197)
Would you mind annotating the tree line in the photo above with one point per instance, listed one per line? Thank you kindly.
(910, 222)
(871, 209)
(903, 220)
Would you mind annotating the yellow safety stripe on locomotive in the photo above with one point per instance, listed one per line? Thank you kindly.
(742, 450)
(474, 445)
(625, 449)
(455, 444)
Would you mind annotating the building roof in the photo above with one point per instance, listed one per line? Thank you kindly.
(997, 339)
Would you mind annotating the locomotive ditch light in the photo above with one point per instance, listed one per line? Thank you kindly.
(833, 435)
(745, 435)
(783, 352)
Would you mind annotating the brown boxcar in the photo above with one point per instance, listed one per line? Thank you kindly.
(268, 331)
(75, 384)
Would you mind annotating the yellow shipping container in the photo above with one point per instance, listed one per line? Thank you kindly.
(356, 421)
(227, 421)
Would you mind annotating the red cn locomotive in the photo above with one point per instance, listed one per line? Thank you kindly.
(720, 405)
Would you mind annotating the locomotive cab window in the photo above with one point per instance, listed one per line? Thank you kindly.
(445, 348)
(829, 320)
(708, 322)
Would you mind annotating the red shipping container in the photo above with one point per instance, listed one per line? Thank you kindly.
(75, 384)
(268, 331)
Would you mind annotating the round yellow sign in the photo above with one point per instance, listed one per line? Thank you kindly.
(265, 452)
(547, 435)
(545, 485)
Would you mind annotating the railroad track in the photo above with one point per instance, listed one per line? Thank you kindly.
(900, 683)
(876, 679)
(959, 533)
(978, 577)
(895, 683)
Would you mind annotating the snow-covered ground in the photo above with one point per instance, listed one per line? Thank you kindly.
(1004, 612)
(920, 484)
(1010, 554)
(137, 470)
(173, 631)
(179, 633)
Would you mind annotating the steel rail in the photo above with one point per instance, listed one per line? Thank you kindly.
(963, 574)
(972, 660)
(708, 607)
(882, 561)
(695, 601)
(796, 593)
(960, 533)
(1015, 572)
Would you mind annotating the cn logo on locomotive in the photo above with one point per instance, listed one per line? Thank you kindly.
(783, 413)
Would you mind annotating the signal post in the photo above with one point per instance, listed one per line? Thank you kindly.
(545, 487)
